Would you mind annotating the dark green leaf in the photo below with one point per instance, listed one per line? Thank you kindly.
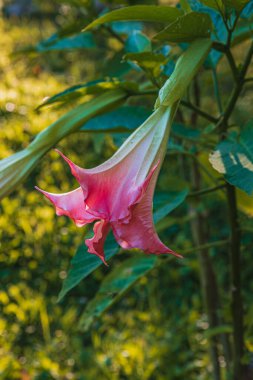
(120, 279)
(153, 13)
(187, 28)
(126, 118)
(218, 5)
(243, 32)
(234, 158)
(185, 132)
(83, 263)
(166, 202)
(238, 5)
(78, 41)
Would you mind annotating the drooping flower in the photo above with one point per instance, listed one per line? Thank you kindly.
(118, 194)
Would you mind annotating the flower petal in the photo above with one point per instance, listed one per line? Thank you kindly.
(96, 243)
(109, 194)
(140, 231)
(70, 204)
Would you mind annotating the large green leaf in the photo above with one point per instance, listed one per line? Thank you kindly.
(84, 263)
(153, 13)
(120, 279)
(187, 28)
(126, 118)
(186, 68)
(233, 157)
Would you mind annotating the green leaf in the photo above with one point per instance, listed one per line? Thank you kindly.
(185, 6)
(148, 61)
(120, 279)
(184, 132)
(166, 202)
(78, 41)
(125, 118)
(84, 263)
(243, 31)
(137, 42)
(89, 88)
(115, 67)
(218, 5)
(152, 13)
(187, 28)
(233, 157)
(238, 5)
(186, 68)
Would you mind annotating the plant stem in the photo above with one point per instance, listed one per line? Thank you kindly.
(237, 304)
(232, 64)
(198, 111)
(216, 90)
(222, 123)
(206, 191)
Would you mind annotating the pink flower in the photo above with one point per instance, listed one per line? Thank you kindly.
(118, 194)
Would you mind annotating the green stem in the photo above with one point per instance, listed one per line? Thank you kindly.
(223, 122)
(198, 111)
(216, 90)
(232, 64)
(206, 191)
(214, 244)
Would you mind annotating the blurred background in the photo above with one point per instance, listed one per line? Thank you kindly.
(158, 330)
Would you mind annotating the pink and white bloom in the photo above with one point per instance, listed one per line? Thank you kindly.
(118, 194)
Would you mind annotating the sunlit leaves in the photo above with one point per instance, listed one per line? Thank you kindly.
(233, 158)
(153, 13)
(187, 28)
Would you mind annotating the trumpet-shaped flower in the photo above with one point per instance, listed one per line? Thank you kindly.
(118, 194)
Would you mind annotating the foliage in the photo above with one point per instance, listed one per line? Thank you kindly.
(86, 86)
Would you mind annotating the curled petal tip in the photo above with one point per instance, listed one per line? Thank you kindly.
(177, 255)
(40, 190)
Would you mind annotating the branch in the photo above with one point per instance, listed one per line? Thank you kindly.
(204, 114)
(235, 263)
